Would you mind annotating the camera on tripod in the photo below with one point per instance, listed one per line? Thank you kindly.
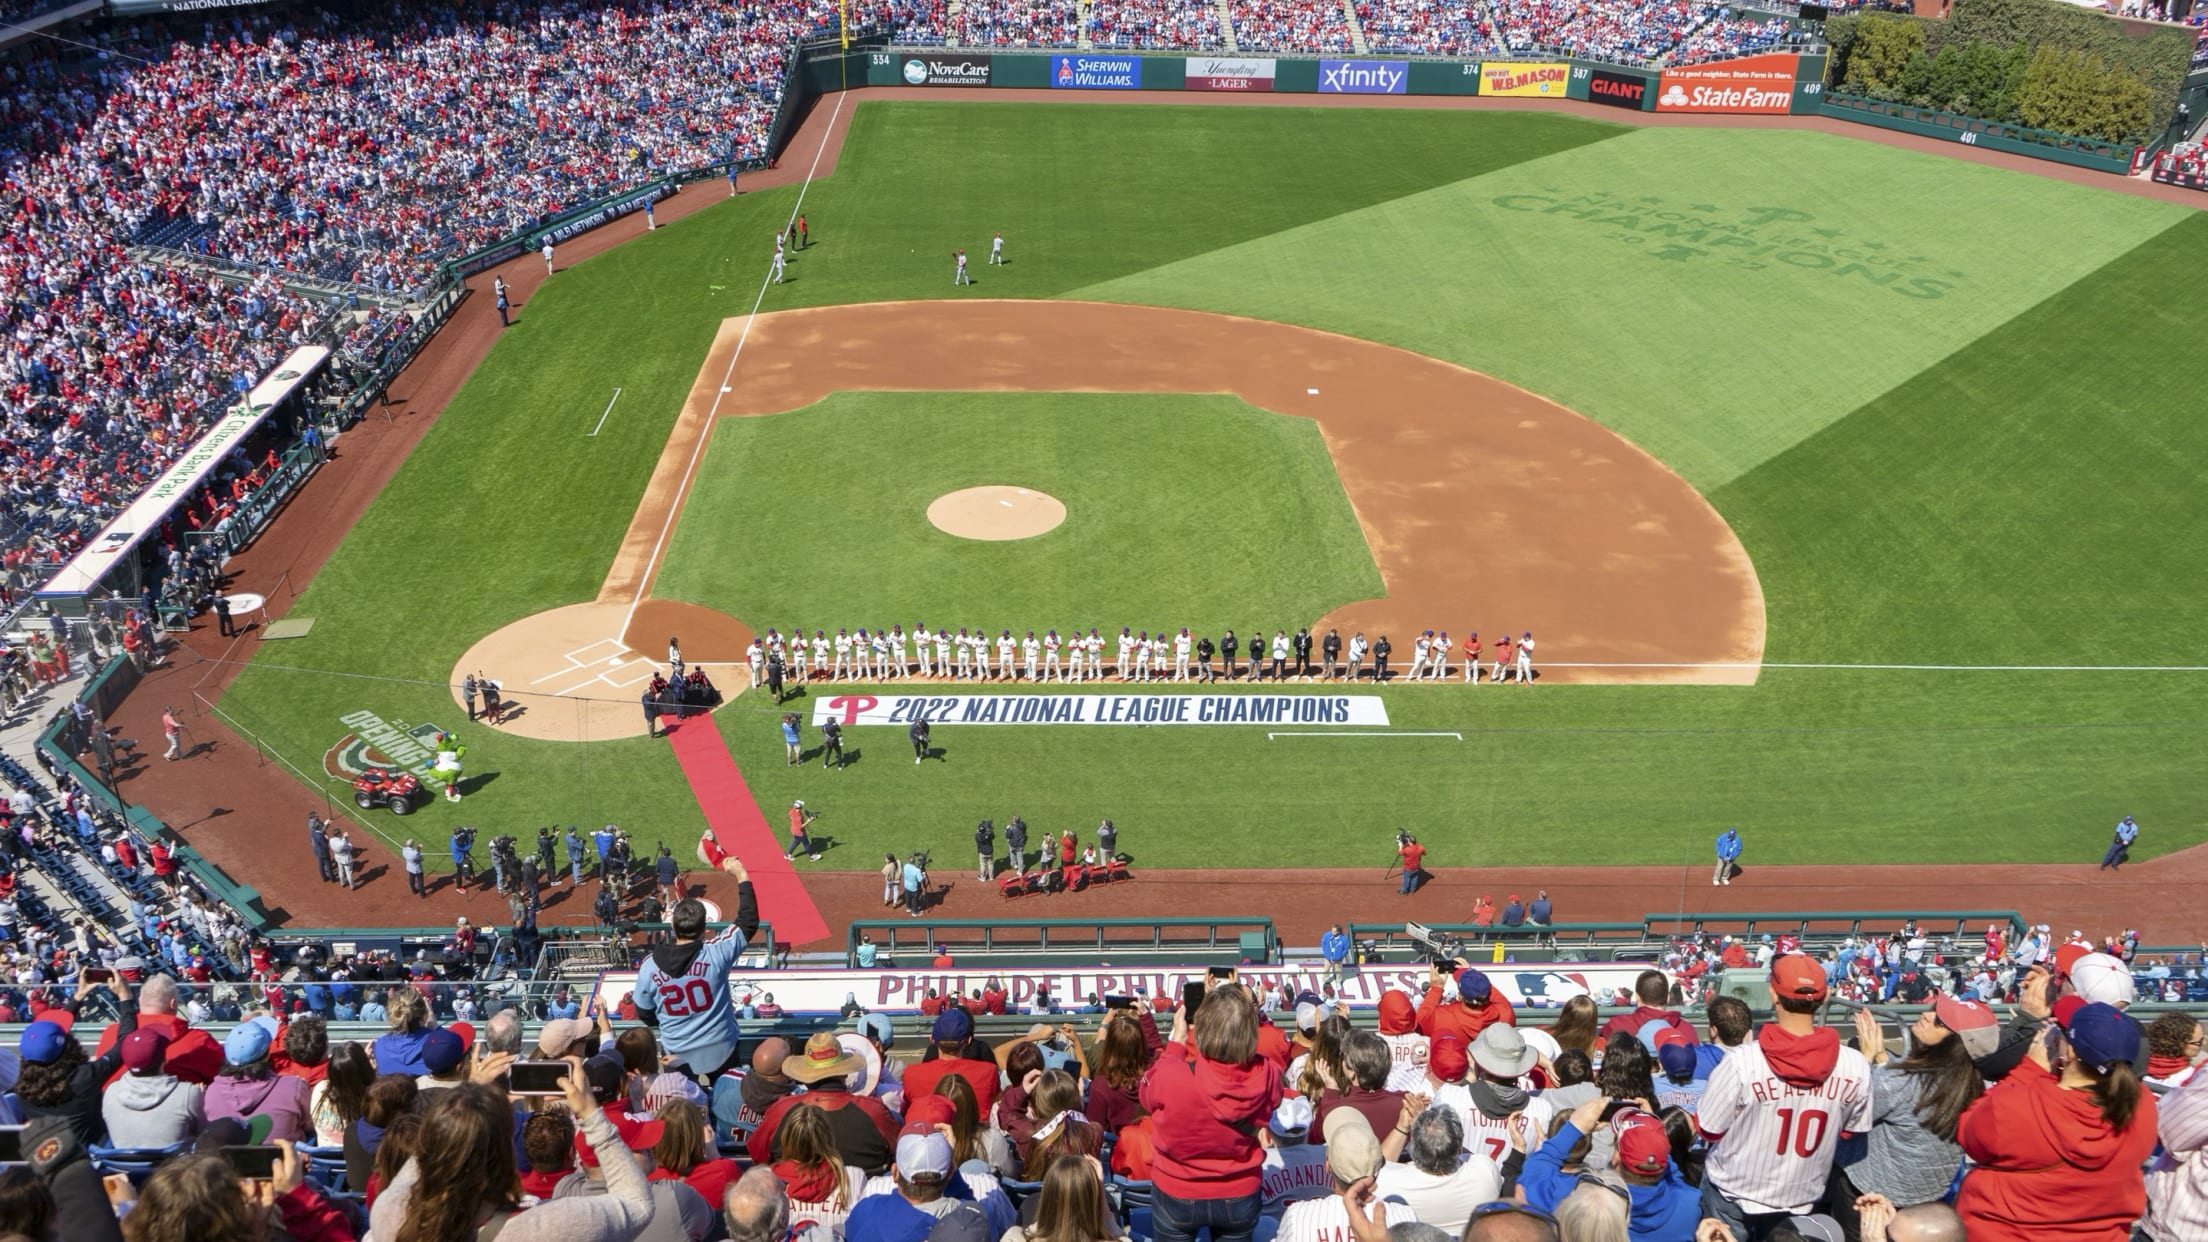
(1403, 837)
(919, 859)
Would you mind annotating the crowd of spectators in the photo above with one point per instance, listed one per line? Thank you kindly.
(1726, 35)
(1159, 25)
(1290, 25)
(1019, 23)
(1616, 30)
(1423, 27)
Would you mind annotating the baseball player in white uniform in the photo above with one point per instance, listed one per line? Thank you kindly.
(778, 259)
(1126, 648)
(897, 665)
(1051, 668)
(1774, 1110)
(1143, 647)
(547, 252)
(755, 660)
(1007, 647)
(960, 277)
(1031, 649)
(981, 653)
(842, 667)
(1158, 649)
(1439, 654)
(1095, 645)
(862, 654)
(1420, 648)
(943, 652)
(1357, 648)
(996, 250)
(820, 652)
(1525, 659)
(922, 638)
(1181, 644)
(965, 654)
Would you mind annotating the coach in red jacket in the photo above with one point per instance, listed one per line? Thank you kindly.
(1208, 1098)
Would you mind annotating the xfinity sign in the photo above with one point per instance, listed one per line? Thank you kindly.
(1363, 77)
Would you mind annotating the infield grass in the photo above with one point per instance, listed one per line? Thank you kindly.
(2009, 473)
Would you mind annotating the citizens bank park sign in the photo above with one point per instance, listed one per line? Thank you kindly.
(902, 991)
(1102, 709)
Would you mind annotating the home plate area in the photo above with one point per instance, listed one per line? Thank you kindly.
(568, 675)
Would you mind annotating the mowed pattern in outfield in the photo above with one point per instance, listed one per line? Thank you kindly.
(2000, 475)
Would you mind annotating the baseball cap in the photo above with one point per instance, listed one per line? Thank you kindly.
(953, 1024)
(1446, 1059)
(1473, 985)
(605, 1074)
(1798, 977)
(442, 1050)
(877, 1027)
(2067, 957)
(922, 1151)
(1500, 1051)
(1307, 1017)
(248, 1042)
(559, 1034)
(662, 1087)
(2102, 1035)
(2102, 979)
(1643, 1145)
(1974, 1024)
(145, 1048)
(963, 1223)
(1292, 1116)
(931, 1110)
(1678, 1059)
(43, 1042)
(1352, 1151)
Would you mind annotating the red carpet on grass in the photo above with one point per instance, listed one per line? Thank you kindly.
(733, 816)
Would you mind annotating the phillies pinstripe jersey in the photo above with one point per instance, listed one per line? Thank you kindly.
(1777, 1139)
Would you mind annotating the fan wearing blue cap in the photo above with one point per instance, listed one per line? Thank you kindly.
(248, 1085)
(2064, 1137)
(56, 1078)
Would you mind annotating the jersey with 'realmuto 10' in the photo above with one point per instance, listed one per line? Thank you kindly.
(683, 990)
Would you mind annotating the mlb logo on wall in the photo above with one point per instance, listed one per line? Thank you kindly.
(1364, 77)
(1096, 73)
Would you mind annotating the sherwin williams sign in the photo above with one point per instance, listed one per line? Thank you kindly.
(1229, 73)
(1364, 77)
(1518, 80)
(1096, 73)
(1751, 84)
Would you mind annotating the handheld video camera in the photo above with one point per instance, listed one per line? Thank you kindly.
(1403, 837)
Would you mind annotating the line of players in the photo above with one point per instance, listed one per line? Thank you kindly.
(1077, 657)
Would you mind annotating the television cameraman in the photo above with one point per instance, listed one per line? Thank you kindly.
(1411, 857)
(463, 856)
(915, 882)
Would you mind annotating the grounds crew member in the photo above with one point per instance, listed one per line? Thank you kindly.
(682, 988)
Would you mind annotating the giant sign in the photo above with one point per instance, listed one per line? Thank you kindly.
(1364, 77)
(1750, 84)
(1102, 709)
(1096, 73)
(902, 991)
(1229, 73)
(1520, 80)
(1618, 90)
(946, 69)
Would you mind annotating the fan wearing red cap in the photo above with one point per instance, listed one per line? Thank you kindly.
(1774, 1110)
(2060, 1143)
(1662, 1203)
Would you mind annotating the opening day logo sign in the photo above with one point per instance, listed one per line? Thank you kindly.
(1750, 84)
(1103, 709)
(1096, 73)
(1754, 238)
(378, 743)
(1513, 80)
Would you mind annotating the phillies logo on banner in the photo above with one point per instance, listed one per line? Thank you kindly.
(1103, 709)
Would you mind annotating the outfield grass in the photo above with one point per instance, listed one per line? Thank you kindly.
(2006, 474)
(1180, 510)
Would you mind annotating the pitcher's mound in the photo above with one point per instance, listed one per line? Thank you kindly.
(996, 513)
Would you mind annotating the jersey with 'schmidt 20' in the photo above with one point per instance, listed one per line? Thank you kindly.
(683, 990)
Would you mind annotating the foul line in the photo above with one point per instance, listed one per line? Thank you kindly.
(602, 417)
(1908, 668)
(1361, 733)
(644, 582)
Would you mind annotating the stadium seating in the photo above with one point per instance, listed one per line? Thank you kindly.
(1423, 27)
(1290, 25)
(1019, 23)
(1160, 25)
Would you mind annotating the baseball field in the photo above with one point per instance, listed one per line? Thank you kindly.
(1853, 492)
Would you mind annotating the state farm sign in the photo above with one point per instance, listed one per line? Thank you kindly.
(1751, 84)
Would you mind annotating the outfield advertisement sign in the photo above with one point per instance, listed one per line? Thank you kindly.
(1096, 73)
(1103, 709)
(1229, 73)
(1520, 80)
(606, 212)
(1750, 84)
(946, 69)
(1364, 77)
(1617, 90)
(902, 991)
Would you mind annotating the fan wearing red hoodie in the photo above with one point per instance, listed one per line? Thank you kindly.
(1208, 1098)
(1476, 1009)
(194, 1056)
(1652, 990)
(1407, 1049)
(2061, 1142)
(1775, 1110)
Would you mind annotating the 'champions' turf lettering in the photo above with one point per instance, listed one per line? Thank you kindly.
(1103, 709)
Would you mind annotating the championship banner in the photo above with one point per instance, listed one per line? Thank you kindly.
(1750, 84)
(946, 69)
(1228, 73)
(1102, 709)
(1096, 73)
(1519, 80)
(901, 991)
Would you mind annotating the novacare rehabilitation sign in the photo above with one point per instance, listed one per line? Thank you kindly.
(1103, 709)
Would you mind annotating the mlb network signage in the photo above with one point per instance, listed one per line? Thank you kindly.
(1096, 73)
(1228, 73)
(1750, 84)
(946, 69)
(1103, 709)
(1523, 81)
(902, 991)
(1364, 77)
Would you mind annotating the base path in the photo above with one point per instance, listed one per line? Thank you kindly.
(732, 815)
(1482, 504)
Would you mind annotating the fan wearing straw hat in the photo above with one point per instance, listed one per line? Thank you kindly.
(864, 1129)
